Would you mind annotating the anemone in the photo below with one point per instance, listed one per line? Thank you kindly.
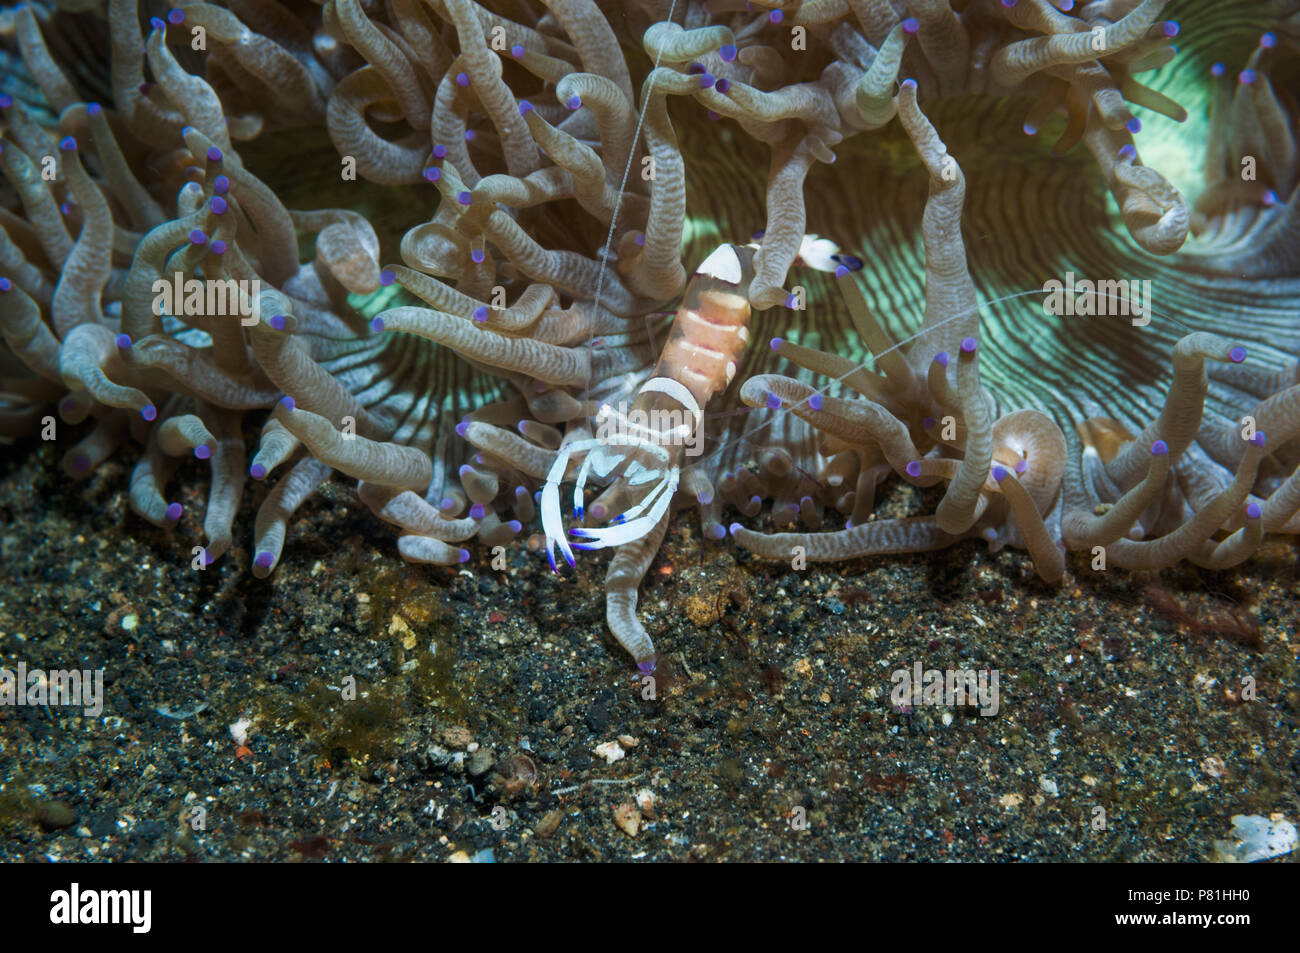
(520, 194)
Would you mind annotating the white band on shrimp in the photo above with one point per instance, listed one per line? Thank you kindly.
(641, 432)
(630, 440)
(678, 392)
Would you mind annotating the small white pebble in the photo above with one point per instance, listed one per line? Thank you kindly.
(611, 751)
(627, 818)
(130, 621)
(239, 730)
(1048, 786)
(645, 801)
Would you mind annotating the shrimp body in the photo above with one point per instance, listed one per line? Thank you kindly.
(642, 450)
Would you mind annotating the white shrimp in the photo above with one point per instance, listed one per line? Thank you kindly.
(644, 447)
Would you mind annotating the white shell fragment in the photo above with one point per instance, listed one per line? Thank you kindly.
(239, 730)
(611, 751)
(645, 801)
(627, 818)
(1257, 838)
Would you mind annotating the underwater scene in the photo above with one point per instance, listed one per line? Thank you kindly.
(658, 430)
